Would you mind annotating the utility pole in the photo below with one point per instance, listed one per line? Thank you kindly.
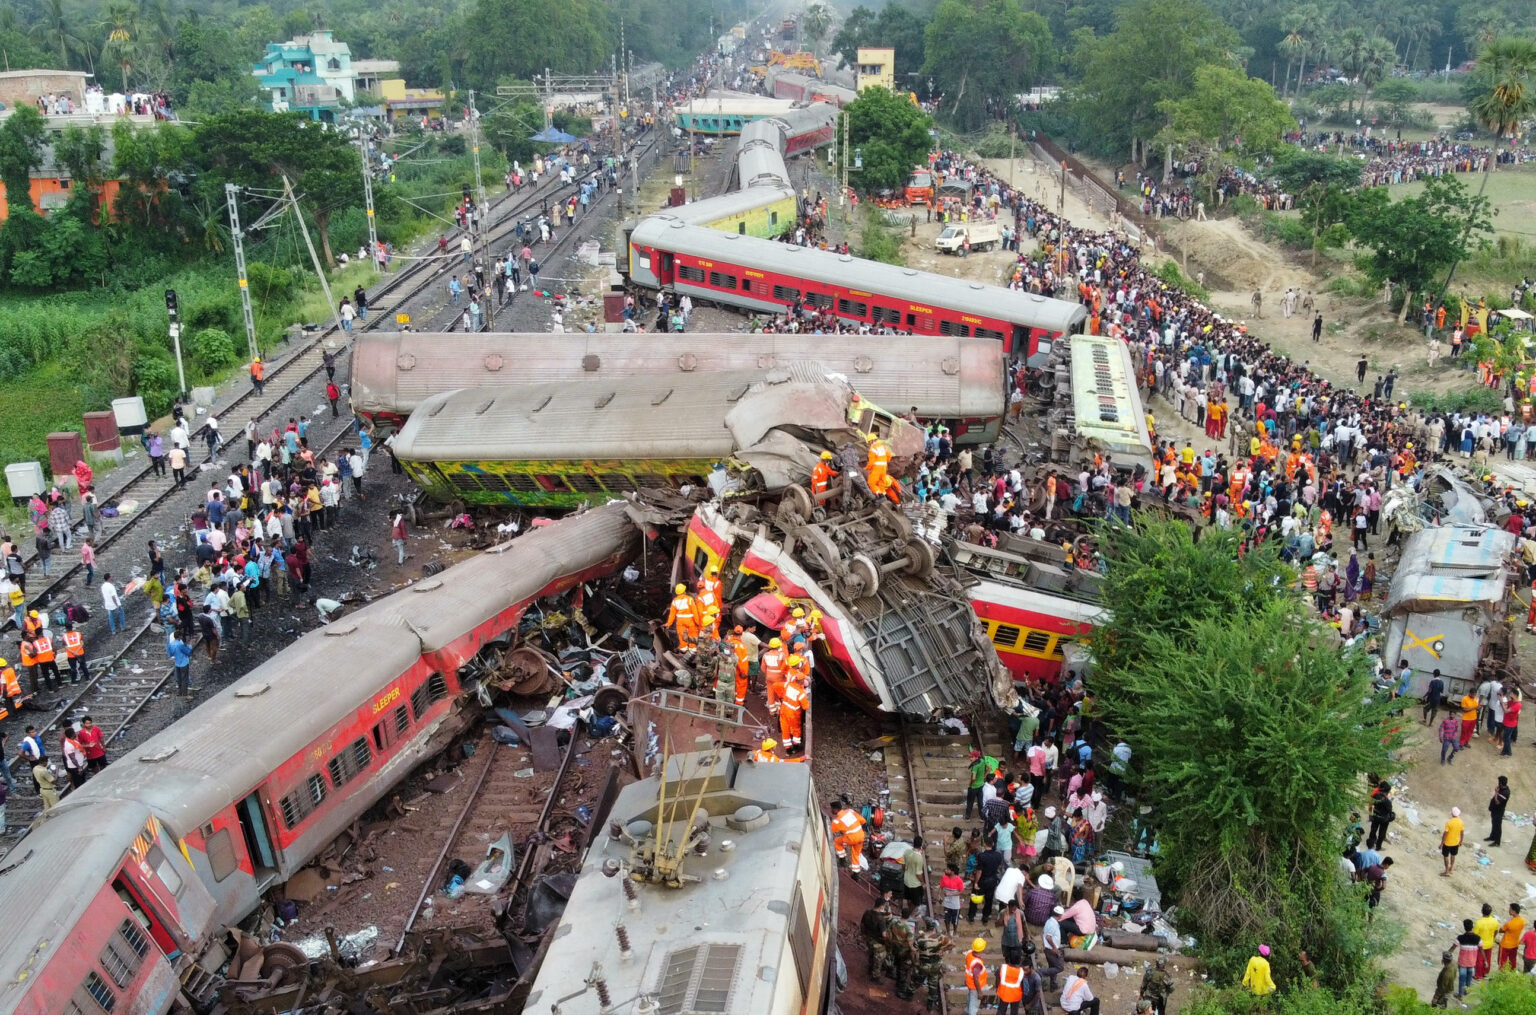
(482, 232)
(373, 235)
(231, 193)
(842, 191)
(325, 284)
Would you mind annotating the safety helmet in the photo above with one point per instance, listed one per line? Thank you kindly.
(826, 456)
(796, 660)
(4, 663)
(815, 614)
(770, 744)
(33, 614)
(714, 569)
(681, 588)
(979, 945)
(871, 437)
(711, 610)
(737, 629)
(798, 612)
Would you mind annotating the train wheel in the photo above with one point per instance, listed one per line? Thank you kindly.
(862, 579)
(609, 700)
(795, 505)
(895, 525)
(920, 558)
(820, 545)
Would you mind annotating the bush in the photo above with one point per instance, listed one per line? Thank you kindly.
(213, 350)
(1169, 272)
(155, 380)
(879, 242)
(269, 284)
(1477, 399)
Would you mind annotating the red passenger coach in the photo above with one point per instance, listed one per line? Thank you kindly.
(766, 276)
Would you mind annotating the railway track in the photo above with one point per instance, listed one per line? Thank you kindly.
(927, 773)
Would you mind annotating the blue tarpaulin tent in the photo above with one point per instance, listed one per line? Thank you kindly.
(552, 136)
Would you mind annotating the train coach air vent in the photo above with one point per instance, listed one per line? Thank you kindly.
(163, 754)
(777, 376)
(977, 285)
(687, 362)
(748, 818)
(439, 407)
(846, 258)
(591, 363)
(426, 586)
(405, 361)
(340, 630)
(909, 271)
(604, 400)
(659, 399)
(252, 690)
(736, 393)
(494, 362)
(863, 364)
(950, 365)
(484, 407)
(542, 404)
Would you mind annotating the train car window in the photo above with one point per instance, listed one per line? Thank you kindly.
(520, 482)
(680, 479)
(433, 690)
(852, 308)
(954, 328)
(688, 273)
(1006, 636)
(1055, 649)
(551, 483)
(220, 848)
(887, 315)
(584, 483)
(95, 995)
(133, 938)
(652, 480)
(116, 969)
(467, 481)
(614, 481)
(295, 807)
(161, 865)
(801, 944)
(124, 953)
(773, 218)
(722, 280)
(1037, 641)
(988, 333)
(785, 293)
(402, 720)
(352, 761)
(920, 323)
(316, 787)
(819, 300)
(746, 285)
(741, 227)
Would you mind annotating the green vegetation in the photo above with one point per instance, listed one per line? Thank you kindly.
(984, 51)
(888, 135)
(1251, 732)
(1413, 242)
(878, 240)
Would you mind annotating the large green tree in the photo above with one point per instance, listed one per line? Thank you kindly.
(522, 38)
(992, 50)
(1414, 240)
(894, 27)
(890, 135)
(1504, 87)
(1251, 732)
(1226, 116)
(1122, 78)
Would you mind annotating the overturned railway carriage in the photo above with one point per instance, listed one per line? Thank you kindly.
(727, 114)
(748, 928)
(565, 444)
(764, 276)
(957, 380)
(122, 892)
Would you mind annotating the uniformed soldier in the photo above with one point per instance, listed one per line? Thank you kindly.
(903, 950)
(932, 943)
(1157, 986)
(725, 674)
(873, 925)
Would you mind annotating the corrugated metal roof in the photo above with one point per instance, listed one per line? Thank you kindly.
(823, 266)
(1448, 567)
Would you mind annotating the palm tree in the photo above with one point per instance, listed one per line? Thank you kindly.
(122, 43)
(1301, 31)
(1380, 59)
(54, 32)
(815, 22)
(1507, 94)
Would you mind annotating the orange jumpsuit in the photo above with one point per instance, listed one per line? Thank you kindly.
(683, 617)
(706, 598)
(880, 481)
(712, 588)
(772, 663)
(821, 477)
(742, 666)
(848, 836)
(791, 713)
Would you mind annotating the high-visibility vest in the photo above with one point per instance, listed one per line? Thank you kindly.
(847, 821)
(1010, 983)
(794, 696)
(9, 683)
(42, 648)
(74, 644)
(683, 609)
(706, 598)
(773, 665)
(762, 755)
(27, 656)
(257, 370)
(713, 587)
(740, 651)
(800, 674)
(975, 972)
(821, 477)
(879, 455)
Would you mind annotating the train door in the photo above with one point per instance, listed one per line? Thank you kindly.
(258, 840)
(1024, 343)
(145, 912)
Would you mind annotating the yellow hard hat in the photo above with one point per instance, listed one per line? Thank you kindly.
(714, 569)
(711, 610)
(256, 359)
(795, 660)
(871, 437)
(770, 744)
(798, 612)
(815, 614)
(680, 589)
(827, 455)
(775, 643)
(33, 614)
(979, 945)
(4, 663)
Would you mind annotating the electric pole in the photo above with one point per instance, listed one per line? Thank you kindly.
(373, 235)
(231, 193)
(325, 285)
(842, 191)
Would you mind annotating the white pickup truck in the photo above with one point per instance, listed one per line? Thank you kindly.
(983, 235)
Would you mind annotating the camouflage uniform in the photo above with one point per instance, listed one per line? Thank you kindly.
(873, 924)
(725, 676)
(1156, 985)
(903, 950)
(931, 945)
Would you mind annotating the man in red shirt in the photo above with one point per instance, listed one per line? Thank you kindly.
(91, 743)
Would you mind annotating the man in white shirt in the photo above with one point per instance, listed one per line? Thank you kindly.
(1077, 995)
(112, 601)
(1011, 886)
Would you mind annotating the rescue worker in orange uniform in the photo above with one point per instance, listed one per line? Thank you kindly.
(31, 626)
(29, 663)
(47, 669)
(258, 375)
(707, 598)
(10, 687)
(813, 627)
(710, 628)
(794, 626)
(739, 650)
(772, 664)
(823, 474)
(1010, 988)
(848, 835)
(880, 481)
(792, 710)
(709, 583)
(975, 976)
(765, 752)
(74, 650)
(683, 618)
